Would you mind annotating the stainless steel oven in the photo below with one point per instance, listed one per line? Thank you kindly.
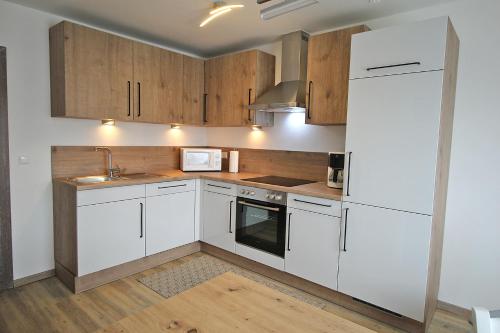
(261, 219)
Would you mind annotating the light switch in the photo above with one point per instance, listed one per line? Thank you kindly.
(23, 160)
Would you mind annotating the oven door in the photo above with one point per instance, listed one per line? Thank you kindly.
(261, 225)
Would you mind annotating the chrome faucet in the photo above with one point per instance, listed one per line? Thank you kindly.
(112, 172)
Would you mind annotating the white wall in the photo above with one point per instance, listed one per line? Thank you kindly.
(32, 131)
(470, 272)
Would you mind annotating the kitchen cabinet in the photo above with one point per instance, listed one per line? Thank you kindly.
(232, 82)
(170, 215)
(313, 246)
(91, 73)
(110, 234)
(158, 84)
(398, 143)
(384, 258)
(193, 91)
(397, 130)
(219, 215)
(97, 75)
(328, 62)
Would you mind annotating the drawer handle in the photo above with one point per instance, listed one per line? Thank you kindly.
(224, 187)
(312, 203)
(171, 186)
(418, 63)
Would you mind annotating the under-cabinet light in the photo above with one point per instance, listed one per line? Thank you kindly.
(256, 128)
(175, 126)
(108, 122)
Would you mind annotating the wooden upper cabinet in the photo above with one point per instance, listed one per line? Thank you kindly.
(328, 62)
(90, 73)
(193, 91)
(157, 84)
(232, 82)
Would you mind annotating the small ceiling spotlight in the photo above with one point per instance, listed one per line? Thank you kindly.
(175, 126)
(108, 122)
(256, 128)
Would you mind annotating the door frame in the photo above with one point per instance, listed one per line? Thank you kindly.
(6, 270)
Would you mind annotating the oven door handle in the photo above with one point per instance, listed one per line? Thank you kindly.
(244, 203)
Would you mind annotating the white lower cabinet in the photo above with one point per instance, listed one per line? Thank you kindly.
(219, 220)
(385, 261)
(313, 246)
(110, 234)
(170, 221)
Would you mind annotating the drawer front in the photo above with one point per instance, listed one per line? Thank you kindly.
(110, 194)
(170, 187)
(220, 187)
(416, 47)
(316, 205)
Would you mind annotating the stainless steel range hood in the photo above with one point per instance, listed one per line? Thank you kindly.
(290, 94)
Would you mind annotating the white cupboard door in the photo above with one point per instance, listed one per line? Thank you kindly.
(385, 261)
(110, 234)
(169, 221)
(219, 220)
(313, 247)
(392, 139)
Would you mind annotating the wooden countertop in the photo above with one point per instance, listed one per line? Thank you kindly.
(318, 189)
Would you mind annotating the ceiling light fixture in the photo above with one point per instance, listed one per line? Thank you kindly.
(286, 6)
(108, 122)
(219, 8)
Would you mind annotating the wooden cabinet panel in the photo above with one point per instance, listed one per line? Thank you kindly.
(90, 73)
(232, 82)
(328, 76)
(157, 84)
(193, 91)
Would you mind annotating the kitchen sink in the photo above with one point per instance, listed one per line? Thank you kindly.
(94, 179)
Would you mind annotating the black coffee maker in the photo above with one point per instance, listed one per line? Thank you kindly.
(336, 170)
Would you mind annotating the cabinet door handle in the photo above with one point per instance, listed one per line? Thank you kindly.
(170, 186)
(218, 186)
(289, 231)
(142, 219)
(138, 99)
(344, 248)
(230, 216)
(249, 102)
(418, 63)
(128, 95)
(312, 203)
(205, 96)
(348, 174)
(309, 94)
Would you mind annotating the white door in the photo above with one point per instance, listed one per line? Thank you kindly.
(392, 139)
(385, 259)
(219, 220)
(313, 247)
(110, 234)
(169, 221)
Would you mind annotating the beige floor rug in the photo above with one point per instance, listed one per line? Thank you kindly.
(175, 280)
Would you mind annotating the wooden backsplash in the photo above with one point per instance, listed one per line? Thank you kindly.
(71, 161)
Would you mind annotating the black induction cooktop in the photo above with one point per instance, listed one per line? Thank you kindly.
(280, 181)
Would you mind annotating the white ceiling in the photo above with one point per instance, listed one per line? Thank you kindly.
(176, 22)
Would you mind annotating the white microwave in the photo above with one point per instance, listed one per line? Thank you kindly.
(201, 159)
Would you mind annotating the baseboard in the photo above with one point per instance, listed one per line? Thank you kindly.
(33, 278)
(455, 309)
(333, 296)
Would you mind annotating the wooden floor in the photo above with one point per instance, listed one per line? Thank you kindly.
(47, 306)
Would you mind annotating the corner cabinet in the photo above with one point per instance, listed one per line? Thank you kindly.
(328, 62)
(232, 82)
(97, 75)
